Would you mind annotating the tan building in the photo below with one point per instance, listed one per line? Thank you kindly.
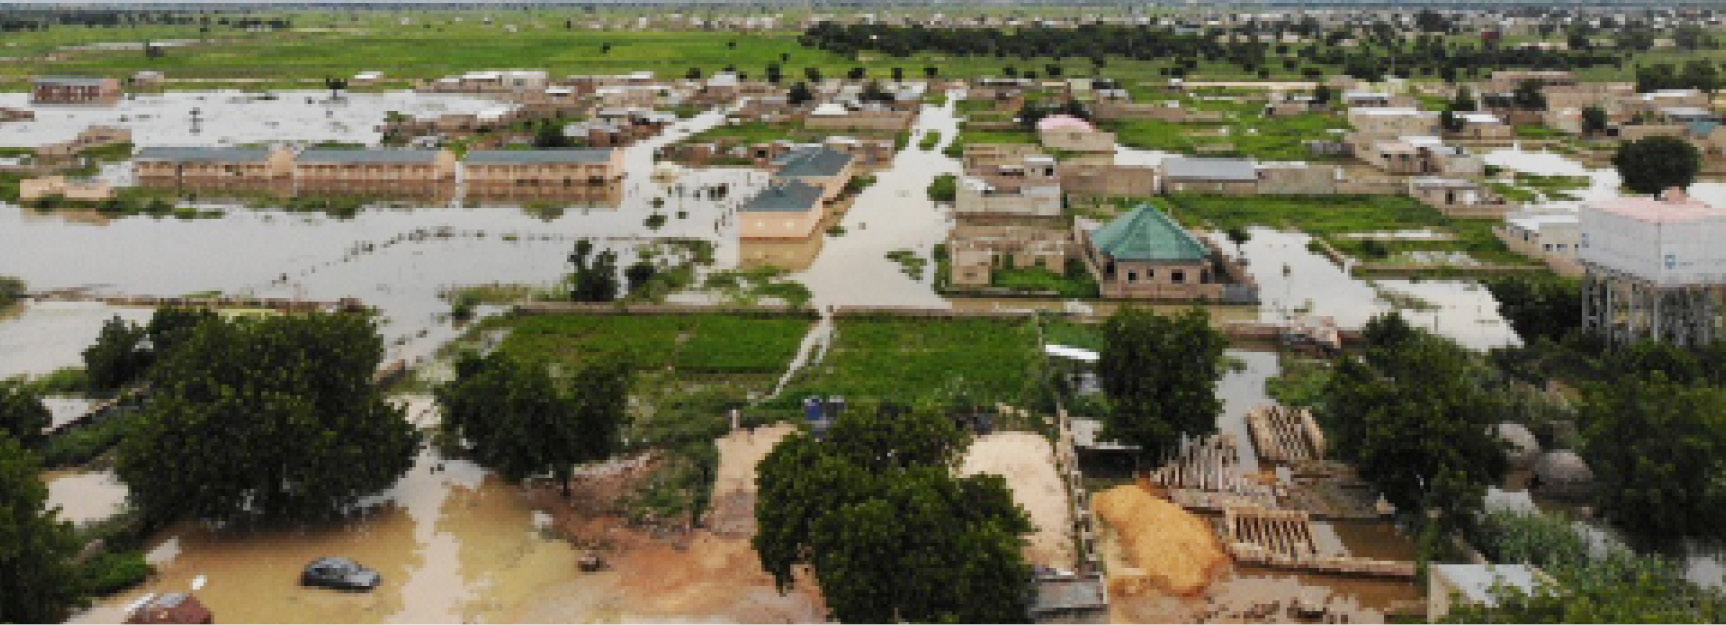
(1372, 124)
(1144, 254)
(1457, 197)
(513, 169)
(982, 157)
(976, 250)
(1071, 134)
(91, 138)
(401, 172)
(76, 90)
(37, 189)
(1225, 176)
(785, 210)
(1421, 156)
(214, 168)
(1105, 179)
(822, 167)
(1554, 238)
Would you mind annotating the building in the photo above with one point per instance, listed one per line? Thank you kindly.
(1458, 197)
(1071, 134)
(785, 210)
(1507, 80)
(88, 139)
(398, 172)
(1372, 124)
(516, 169)
(1226, 176)
(976, 250)
(215, 168)
(1144, 254)
(1483, 127)
(818, 166)
(1550, 237)
(1094, 178)
(37, 189)
(1655, 269)
(1420, 156)
(76, 90)
(1454, 585)
(170, 608)
(1029, 189)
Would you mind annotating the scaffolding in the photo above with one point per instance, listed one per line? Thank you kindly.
(1655, 270)
(1625, 309)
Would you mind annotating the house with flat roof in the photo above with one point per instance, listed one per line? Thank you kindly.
(1455, 585)
(1553, 237)
(818, 166)
(1144, 254)
(411, 172)
(213, 168)
(1029, 188)
(1227, 176)
(1458, 197)
(1071, 134)
(75, 90)
(515, 169)
(785, 210)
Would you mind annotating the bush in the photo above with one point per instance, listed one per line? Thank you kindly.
(111, 572)
(945, 188)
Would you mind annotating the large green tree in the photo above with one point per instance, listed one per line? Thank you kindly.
(515, 418)
(23, 416)
(1658, 449)
(892, 535)
(1655, 164)
(267, 419)
(1160, 375)
(119, 356)
(1414, 416)
(1539, 307)
(38, 583)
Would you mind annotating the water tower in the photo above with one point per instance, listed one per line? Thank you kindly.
(1656, 269)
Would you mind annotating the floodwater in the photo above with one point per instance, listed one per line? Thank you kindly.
(231, 117)
(397, 260)
(1241, 390)
(1295, 281)
(84, 496)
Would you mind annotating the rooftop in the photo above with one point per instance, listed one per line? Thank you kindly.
(80, 81)
(1146, 234)
(200, 154)
(597, 155)
(325, 155)
(815, 161)
(785, 197)
(1675, 207)
(1063, 122)
(1229, 169)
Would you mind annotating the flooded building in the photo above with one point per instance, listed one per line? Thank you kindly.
(1458, 197)
(816, 166)
(976, 250)
(1226, 176)
(1071, 134)
(785, 210)
(75, 90)
(90, 138)
(494, 170)
(1420, 155)
(202, 167)
(1030, 189)
(1654, 269)
(1144, 254)
(1550, 237)
(38, 189)
(406, 172)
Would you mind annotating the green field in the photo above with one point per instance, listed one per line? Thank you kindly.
(724, 344)
(1330, 216)
(932, 361)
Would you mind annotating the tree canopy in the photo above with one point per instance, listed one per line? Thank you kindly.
(1414, 416)
(1160, 375)
(40, 584)
(891, 533)
(514, 417)
(1655, 164)
(1548, 308)
(1658, 449)
(594, 276)
(267, 419)
(119, 356)
(23, 416)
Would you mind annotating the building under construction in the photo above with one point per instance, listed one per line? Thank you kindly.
(1656, 269)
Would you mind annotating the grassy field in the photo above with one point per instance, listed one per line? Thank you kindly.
(1246, 133)
(686, 343)
(925, 361)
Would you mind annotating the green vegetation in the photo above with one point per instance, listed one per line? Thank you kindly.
(909, 263)
(23, 416)
(40, 585)
(748, 287)
(726, 344)
(1246, 132)
(1654, 164)
(1076, 282)
(1159, 374)
(229, 433)
(517, 419)
(929, 141)
(890, 532)
(945, 188)
(924, 362)
(1063, 332)
(1658, 448)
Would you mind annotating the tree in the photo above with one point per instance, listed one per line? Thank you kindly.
(516, 419)
(1549, 308)
(694, 73)
(898, 74)
(931, 72)
(549, 135)
(169, 326)
(857, 73)
(11, 290)
(23, 416)
(639, 274)
(1160, 375)
(1413, 415)
(1654, 164)
(1700, 74)
(774, 73)
(594, 278)
(1594, 121)
(1658, 450)
(812, 73)
(891, 534)
(1464, 101)
(799, 94)
(1528, 96)
(1239, 236)
(267, 419)
(1322, 95)
(118, 357)
(41, 585)
(335, 85)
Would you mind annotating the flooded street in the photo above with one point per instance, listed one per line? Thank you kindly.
(84, 496)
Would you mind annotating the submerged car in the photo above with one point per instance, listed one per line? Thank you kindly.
(340, 573)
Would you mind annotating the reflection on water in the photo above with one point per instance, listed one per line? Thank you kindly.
(49, 335)
(85, 496)
(232, 117)
(1241, 390)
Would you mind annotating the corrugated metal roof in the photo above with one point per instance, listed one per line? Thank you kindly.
(786, 197)
(326, 155)
(204, 155)
(1228, 169)
(820, 162)
(1147, 234)
(81, 81)
(596, 155)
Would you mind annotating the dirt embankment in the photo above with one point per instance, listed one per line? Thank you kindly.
(1170, 549)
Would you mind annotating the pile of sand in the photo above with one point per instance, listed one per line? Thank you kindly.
(1171, 549)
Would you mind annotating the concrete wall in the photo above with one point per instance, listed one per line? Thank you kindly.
(1092, 179)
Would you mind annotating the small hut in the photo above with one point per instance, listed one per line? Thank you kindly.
(1523, 448)
(1562, 474)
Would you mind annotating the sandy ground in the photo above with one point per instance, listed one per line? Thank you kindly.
(1028, 463)
(734, 490)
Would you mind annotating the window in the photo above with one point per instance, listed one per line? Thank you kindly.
(1132, 276)
(1178, 276)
